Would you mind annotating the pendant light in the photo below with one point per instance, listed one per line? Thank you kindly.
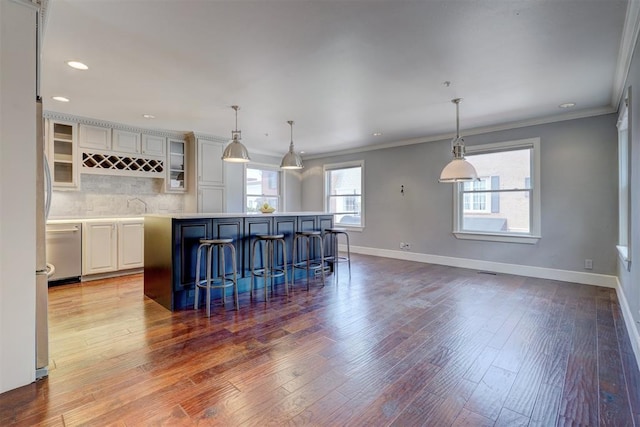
(458, 170)
(235, 151)
(291, 160)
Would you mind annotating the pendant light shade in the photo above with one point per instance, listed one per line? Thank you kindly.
(458, 170)
(235, 151)
(291, 160)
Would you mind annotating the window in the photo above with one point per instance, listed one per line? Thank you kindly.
(477, 201)
(262, 185)
(504, 205)
(624, 193)
(344, 193)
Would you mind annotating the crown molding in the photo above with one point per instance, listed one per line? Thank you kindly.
(475, 131)
(54, 115)
(625, 53)
(200, 135)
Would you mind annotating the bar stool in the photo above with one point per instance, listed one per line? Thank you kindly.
(269, 270)
(307, 263)
(333, 234)
(221, 281)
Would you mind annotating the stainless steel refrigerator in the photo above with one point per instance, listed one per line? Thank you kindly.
(43, 203)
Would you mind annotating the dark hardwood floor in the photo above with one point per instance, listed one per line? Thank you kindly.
(401, 343)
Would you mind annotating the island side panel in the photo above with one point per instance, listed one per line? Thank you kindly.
(158, 250)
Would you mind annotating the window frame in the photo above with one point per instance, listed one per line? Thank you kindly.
(327, 197)
(263, 167)
(535, 208)
(624, 182)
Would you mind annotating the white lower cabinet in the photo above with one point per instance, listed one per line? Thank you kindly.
(99, 247)
(112, 245)
(130, 244)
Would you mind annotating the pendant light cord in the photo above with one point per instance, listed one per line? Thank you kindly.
(236, 108)
(291, 124)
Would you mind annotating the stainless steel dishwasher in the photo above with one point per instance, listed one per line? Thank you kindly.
(64, 250)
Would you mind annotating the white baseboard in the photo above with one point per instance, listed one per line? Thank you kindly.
(634, 336)
(519, 270)
(497, 267)
(111, 274)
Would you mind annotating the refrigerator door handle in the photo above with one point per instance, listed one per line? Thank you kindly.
(50, 269)
(48, 189)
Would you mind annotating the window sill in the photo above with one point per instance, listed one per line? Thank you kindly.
(349, 227)
(495, 237)
(623, 253)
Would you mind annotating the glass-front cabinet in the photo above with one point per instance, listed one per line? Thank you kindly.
(176, 170)
(62, 154)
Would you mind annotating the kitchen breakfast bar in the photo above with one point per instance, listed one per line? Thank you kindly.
(171, 243)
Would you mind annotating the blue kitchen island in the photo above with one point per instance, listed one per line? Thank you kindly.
(171, 242)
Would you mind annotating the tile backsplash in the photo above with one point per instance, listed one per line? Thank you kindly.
(104, 195)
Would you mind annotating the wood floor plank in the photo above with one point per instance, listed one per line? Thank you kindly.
(613, 410)
(581, 380)
(488, 398)
(401, 343)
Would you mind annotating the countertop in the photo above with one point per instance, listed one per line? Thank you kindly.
(69, 220)
(233, 215)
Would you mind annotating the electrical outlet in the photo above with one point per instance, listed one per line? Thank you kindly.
(588, 264)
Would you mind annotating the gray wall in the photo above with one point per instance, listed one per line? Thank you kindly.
(578, 194)
(629, 280)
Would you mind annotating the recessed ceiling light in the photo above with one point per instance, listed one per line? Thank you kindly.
(60, 99)
(377, 134)
(567, 105)
(77, 65)
(148, 116)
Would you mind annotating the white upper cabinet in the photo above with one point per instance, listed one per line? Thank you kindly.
(125, 141)
(62, 146)
(154, 145)
(95, 137)
(210, 167)
(176, 166)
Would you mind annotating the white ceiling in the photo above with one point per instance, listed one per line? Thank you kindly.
(341, 69)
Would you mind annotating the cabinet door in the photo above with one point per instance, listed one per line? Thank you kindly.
(99, 247)
(187, 235)
(130, 244)
(95, 137)
(211, 199)
(126, 142)
(176, 166)
(254, 226)
(62, 146)
(210, 164)
(153, 145)
(285, 225)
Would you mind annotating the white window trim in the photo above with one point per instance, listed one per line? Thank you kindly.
(624, 196)
(343, 165)
(529, 238)
(281, 183)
